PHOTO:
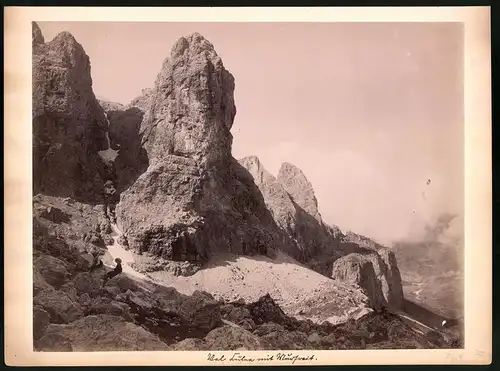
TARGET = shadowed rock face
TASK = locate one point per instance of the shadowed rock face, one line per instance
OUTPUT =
(299, 188)
(125, 137)
(277, 200)
(68, 122)
(374, 275)
(307, 236)
(307, 232)
(132, 160)
(143, 101)
(108, 106)
(36, 33)
(346, 257)
(99, 333)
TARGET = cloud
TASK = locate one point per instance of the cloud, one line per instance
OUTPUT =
(446, 229)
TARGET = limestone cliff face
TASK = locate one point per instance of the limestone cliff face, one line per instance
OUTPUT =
(299, 188)
(37, 36)
(277, 200)
(108, 106)
(347, 257)
(376, 273)
(68, 123)
(307, 236)
(388, 291)
(296, 213)
(142, 101)
(361, 241)
(124, 127)
(194, 198)
(192, 108)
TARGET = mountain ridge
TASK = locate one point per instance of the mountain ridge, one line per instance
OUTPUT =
(182, 201)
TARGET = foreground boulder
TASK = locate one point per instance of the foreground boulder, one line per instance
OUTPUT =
(171, 315)
(374, 274)
(266, 310)
(41, 320)
(98, 333)
(53, 270)
(283, 339)
(39, 283)
(113, 307)
(232, 338)
(82, 229)
(60, 307)
(190, 344)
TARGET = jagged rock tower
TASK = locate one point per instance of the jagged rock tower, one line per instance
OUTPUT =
(347, 257)
(194, 198)
(68, 123)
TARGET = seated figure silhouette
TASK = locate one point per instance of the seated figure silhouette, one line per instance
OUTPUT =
(114, 272)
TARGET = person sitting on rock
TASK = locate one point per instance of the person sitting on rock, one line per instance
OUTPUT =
(114, 272)
(96, 261)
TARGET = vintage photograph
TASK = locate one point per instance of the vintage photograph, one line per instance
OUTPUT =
(247, 186)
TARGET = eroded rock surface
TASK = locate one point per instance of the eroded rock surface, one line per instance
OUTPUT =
(36, 33)
(347, 257)
(68, 122)
(299, 188)
(131, 314)
(194, 198)
(99, 333)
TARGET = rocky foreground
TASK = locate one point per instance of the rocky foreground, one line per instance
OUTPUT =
(183, 204)
(72, 312)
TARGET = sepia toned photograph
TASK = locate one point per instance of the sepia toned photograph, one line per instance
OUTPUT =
(207, 187)
(248, 186)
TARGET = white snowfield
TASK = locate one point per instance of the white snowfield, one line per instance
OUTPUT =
(108, 154)
(117, 251)
(299, 291)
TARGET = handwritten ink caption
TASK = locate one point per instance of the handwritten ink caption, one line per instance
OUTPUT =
(240, 357)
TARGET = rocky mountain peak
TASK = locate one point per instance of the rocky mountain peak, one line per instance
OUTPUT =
(36, 34)
(193, 199)
(300, 189)
(192, 45)
(257, 170)
(65, 37)
(110, 106)
(191, 108)
(142, 101)
(72, 52)
(68, 122)
(362, 241)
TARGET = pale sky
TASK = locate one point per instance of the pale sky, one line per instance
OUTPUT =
(369, 111)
